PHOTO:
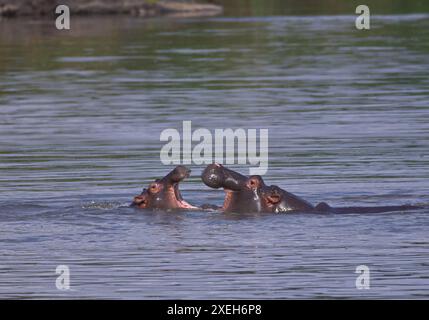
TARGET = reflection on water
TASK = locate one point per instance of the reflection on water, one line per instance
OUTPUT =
(80, 118)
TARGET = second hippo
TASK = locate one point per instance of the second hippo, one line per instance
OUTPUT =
(251, 194)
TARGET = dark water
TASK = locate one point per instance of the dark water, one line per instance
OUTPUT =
(80, 117)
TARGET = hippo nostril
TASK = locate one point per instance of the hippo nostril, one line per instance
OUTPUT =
(212, 180)
(212, 176)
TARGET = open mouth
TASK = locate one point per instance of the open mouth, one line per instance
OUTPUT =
(164, 193)
(180, 202)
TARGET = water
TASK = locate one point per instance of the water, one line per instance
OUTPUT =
(80, 117)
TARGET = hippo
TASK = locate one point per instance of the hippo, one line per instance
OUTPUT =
(164, 194)
(251, 194)
(241, 192)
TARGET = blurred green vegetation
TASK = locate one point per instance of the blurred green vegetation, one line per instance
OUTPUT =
(319, 7)
(38, 45)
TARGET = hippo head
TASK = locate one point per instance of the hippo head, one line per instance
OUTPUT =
(242, 193)
(275, 199)
(272, 198)
(164, 193)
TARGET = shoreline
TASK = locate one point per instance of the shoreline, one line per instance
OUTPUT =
(140, 8)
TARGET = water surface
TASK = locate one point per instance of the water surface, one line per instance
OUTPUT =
(80, 117)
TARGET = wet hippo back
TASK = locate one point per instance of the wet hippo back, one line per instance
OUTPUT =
(323, 207)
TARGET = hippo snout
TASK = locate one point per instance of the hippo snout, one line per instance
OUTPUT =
(217, 176)
(213, 176)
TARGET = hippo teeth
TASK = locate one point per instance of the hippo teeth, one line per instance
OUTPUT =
(185, 205)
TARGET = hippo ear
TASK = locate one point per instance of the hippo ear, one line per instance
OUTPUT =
(255, 182)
